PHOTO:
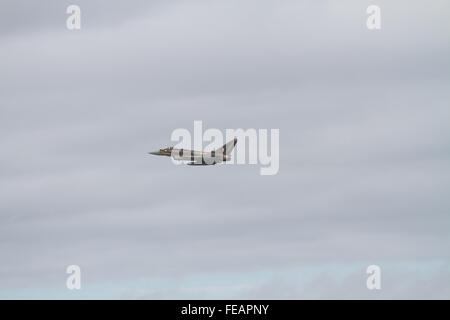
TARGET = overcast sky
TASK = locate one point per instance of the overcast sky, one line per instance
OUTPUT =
(364, 149)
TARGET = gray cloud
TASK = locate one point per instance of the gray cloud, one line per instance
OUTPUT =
(363, 128)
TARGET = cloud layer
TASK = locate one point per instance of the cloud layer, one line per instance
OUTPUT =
(363, 118)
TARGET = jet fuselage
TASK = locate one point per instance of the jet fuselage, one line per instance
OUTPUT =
(199, 157)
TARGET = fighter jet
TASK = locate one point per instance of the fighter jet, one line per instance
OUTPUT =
(199, 158)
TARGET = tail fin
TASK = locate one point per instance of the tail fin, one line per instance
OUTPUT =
(228, 147)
